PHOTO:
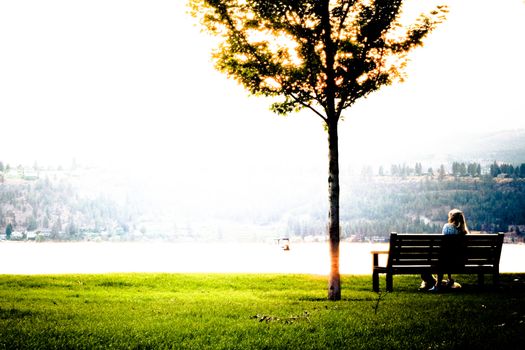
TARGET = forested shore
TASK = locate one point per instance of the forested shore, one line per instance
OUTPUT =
(401, 199)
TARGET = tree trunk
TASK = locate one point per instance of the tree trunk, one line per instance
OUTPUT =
(332, 118)
(334, 280)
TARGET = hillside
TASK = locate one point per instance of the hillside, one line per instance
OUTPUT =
(421, 204)
(89, 204)
(54, 209)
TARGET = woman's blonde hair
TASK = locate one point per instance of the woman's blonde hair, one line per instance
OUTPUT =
(457, 218)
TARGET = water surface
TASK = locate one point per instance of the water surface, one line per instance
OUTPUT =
(89, 257)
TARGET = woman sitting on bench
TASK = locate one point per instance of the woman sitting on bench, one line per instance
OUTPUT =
(456, 225)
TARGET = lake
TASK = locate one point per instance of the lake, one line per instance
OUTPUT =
(90, 257)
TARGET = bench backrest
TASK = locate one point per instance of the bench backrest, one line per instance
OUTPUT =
(447, 253)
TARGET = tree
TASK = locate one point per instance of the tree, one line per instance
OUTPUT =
(441, 172)
(474, 169)
(56, 229)
(31, 223)
(45, 222)
(494, 169)
(8, 231)
(320, 55)
(418, 169)
(71, 229)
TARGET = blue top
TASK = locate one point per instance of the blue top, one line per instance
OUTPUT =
(449, 229)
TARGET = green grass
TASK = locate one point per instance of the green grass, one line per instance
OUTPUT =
(246, 311)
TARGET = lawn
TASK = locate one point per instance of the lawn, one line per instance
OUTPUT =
(254, 311)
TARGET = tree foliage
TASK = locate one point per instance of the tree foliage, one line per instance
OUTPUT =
(313, 53)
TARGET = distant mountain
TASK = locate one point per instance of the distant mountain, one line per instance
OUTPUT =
(500, 146)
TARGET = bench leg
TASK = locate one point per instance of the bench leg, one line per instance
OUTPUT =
(375, 281)
(481, 279)
(495, 278)
(389, 282)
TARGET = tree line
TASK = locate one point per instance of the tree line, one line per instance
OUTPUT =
(462, 169)
(378, 207)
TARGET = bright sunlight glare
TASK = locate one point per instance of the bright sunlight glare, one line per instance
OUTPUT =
(127, 82)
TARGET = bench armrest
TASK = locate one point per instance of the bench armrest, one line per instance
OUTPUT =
(375, 254)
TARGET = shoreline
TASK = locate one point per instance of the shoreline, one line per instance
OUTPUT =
(121, 257)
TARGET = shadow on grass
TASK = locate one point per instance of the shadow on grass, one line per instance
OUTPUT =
(317, 299)
(469, 285)
(14, 313)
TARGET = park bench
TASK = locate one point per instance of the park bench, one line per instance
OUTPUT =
(437, 253)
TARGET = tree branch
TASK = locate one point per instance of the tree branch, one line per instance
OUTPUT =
(342, 21)
(330, 51)
(309, 106)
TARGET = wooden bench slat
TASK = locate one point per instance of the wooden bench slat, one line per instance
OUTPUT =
(401, 250)
(437, 253)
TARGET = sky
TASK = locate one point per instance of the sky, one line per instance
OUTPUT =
(130, 84)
